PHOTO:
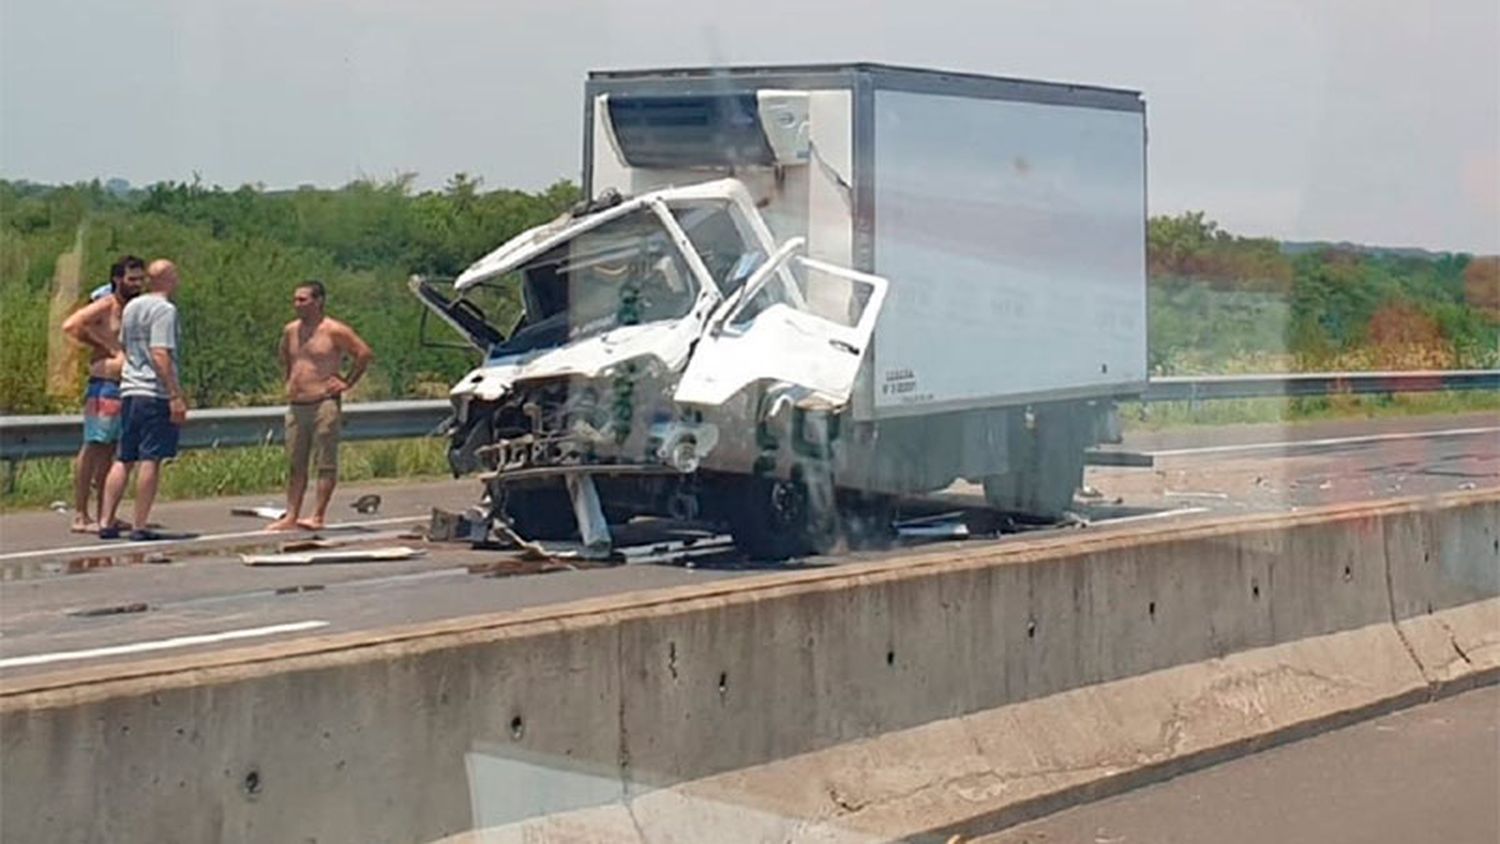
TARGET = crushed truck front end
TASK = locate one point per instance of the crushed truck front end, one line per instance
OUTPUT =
(667, 348)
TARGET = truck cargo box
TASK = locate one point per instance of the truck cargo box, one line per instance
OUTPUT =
(1009, 215)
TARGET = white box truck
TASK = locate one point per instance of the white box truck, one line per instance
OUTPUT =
(798, 294)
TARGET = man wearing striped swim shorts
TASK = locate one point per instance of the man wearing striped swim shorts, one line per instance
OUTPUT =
(97, 327)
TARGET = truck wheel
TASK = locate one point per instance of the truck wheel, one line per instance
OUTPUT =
(774, 519)
(867, 521)
(542, 513)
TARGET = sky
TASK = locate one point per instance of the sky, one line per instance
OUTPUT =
(1364, 120)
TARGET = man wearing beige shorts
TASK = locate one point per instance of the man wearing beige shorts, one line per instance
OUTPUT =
(313, 349)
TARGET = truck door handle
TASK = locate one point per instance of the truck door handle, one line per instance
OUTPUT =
(843, 347)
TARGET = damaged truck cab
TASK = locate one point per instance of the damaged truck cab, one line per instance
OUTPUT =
(668, 348)
(709, 337)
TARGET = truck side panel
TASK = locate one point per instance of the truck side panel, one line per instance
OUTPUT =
(1013, 234)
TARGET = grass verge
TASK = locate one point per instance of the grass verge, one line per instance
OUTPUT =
(237, 471)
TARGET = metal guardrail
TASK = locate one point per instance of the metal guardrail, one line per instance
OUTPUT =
(1307, 384)
(26, 437)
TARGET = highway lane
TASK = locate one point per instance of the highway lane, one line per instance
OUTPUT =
(1429, 773)
(64, 597)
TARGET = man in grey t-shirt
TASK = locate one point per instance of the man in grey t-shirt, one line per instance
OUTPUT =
(154, 406)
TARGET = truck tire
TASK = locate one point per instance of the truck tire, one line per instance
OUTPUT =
(867, 521)
(541, 513)
(775, 519)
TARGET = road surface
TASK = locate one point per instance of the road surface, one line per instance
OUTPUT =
(69, 600)
(1426, 774)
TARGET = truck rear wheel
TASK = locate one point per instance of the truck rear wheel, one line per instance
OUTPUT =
(1046, 466)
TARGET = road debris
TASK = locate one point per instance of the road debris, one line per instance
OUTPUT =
(351, 555)
(269, 513)
(118, 609)
(366, 504)
(469, 526)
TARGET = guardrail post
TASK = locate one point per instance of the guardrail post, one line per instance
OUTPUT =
(12, 467)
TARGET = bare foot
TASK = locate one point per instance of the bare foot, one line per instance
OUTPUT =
(285, 523)
(83, 524)
(313, 523)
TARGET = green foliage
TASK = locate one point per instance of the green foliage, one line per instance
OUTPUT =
(1218, 302)
(240, 253)
(1222, 303)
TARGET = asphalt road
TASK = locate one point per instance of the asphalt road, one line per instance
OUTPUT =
(1426, 774)
(69, 600)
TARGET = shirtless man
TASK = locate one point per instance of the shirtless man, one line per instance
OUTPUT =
(97, 326)
(313, 349)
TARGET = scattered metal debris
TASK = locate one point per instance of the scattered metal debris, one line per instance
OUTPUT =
(268, 512)
(468, 526)
(118, 609)
(352, 555)
(366, 504)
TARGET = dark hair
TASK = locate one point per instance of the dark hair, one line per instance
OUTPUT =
(118, 269)
(315, 287)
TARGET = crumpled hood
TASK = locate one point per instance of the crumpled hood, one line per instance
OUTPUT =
(668, 342)
(535, 241)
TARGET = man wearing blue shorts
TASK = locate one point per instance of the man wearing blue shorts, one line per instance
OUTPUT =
(153, 407)
(97, 327)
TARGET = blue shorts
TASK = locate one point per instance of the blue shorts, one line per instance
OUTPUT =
(101, 412)
(148, 433)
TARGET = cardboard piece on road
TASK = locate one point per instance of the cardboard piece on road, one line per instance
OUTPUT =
(352, 555)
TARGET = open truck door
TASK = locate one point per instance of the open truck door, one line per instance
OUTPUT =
(796, 320)
(460, 314)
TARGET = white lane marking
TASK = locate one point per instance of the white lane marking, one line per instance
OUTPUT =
(1181, 511)
(125, 546)
(160, 644)
(1292, 444)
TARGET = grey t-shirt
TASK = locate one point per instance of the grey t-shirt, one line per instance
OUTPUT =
(148, 321)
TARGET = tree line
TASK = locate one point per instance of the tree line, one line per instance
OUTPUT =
(1218, 301)
(240, 253)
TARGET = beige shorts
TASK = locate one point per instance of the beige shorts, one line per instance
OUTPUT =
(312, 435)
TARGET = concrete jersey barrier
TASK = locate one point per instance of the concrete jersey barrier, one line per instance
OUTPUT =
(1210, 634)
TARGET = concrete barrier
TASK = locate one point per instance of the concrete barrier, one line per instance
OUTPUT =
(1040, 671)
